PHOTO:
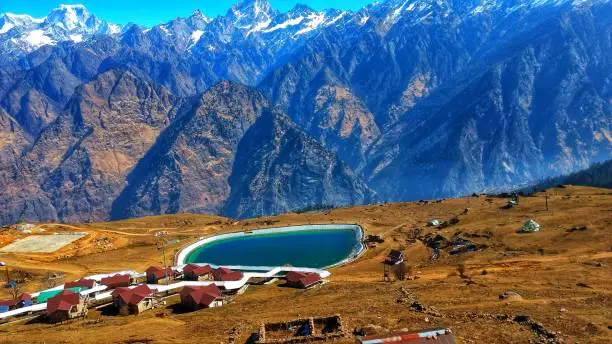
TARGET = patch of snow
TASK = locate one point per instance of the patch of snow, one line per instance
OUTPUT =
(334, 20)
(37, 38)
(316, 19)
(21, 19)
(507, 167)
(114, 29)
(76, 38)
(260, 26)
(165, 30)
(284, 25)
(398, 10)
(195, 36)
(72, 14)
(363, 20)
(6, 27)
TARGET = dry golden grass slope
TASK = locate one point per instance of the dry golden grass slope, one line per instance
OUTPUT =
(544, 267)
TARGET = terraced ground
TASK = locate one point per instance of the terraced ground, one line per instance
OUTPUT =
(563, 276)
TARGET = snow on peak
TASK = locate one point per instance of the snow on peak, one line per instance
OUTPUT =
(252, 15)
(314, 21)
(285, 24)
(38, 38)
(197, 14)
(70, 17)
(11, 20)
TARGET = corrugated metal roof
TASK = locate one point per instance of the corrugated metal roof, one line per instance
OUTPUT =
(63, 301)
(116, 281)
(84, 283)
(433, 336)
(47, 294)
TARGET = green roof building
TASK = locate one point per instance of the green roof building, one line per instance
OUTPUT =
(47, 294)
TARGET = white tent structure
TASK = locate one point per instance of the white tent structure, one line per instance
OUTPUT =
(530, 227)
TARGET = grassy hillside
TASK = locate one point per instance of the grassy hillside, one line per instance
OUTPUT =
(562, 274)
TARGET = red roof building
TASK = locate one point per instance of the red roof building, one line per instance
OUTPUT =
(225, 274)
(22, 301)
(156, 273)
(201, 297)
(433, 336)
(83, 283)
(133, 300)
(303, 280)
(197, 272)
(66, 305)
(116, 281)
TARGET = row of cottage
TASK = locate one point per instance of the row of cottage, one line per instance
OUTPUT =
(130, 297)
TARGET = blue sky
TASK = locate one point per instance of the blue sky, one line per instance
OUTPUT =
(150, 12)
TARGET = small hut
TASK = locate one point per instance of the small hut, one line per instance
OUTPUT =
(23, 300)
(83, 283)
(116, 281)
(195, 272)
(134, 300)
(303, 280)
(201, 297)
(158, 275)
(225, 274)
(530, 227)
(66, 305)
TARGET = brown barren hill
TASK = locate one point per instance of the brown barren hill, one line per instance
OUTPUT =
(561, 274)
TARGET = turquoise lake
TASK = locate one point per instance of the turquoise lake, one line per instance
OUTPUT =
(318, 248)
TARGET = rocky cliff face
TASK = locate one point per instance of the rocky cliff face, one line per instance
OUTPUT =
(188, 167)
(127, 147)
(462, 102)
(279, 168)
(536, 111)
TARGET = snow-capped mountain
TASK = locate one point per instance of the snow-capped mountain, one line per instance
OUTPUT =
(417, 98)
(9, 21)
(21, 34)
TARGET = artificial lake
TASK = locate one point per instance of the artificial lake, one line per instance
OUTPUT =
(311, 246)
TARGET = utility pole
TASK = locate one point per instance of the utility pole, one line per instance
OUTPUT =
(546, 200)
(8, 278)
(161, 244)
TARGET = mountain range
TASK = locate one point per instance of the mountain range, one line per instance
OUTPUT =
(258, 112)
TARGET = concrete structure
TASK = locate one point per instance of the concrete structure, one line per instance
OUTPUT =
(134, 300)
(201, 297)
(193, 272)
(433, 336)
(309, 330)
(66, 305)
(303, 280)
(41, 243)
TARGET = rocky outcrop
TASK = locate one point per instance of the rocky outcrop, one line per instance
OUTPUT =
(188, 167)
(541, 111)
(279, 168)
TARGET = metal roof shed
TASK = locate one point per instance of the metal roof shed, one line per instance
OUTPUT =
(47, 294)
